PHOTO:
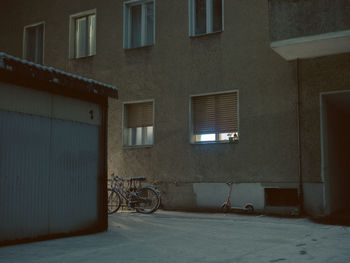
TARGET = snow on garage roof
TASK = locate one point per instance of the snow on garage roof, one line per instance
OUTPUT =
(13, 69)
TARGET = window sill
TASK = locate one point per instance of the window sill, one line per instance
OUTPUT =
(213, 142)
(82, 58)
(137, 146)
(206, 34)
(140, 47)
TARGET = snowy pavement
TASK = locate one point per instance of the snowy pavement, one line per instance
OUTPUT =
(194, 237)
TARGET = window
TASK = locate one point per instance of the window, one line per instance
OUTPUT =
(83, 34)
(138, 124)
(206, 16)
(33, 43)
(139, 26)
(281, 197)
(214, 117)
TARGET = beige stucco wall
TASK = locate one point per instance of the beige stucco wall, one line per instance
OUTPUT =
(292, 19)
(169, 72)
(178, 66)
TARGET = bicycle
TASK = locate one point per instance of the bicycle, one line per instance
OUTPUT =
(144, 199)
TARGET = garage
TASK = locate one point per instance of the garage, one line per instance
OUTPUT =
(53, 141)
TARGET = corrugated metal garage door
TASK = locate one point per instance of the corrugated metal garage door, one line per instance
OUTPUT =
(24, 175)
(49, 172)
(74, 176)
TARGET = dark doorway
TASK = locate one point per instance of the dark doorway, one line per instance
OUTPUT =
(336, 151)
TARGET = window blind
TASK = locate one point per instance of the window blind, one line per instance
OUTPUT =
(215, 113)
(139, 114)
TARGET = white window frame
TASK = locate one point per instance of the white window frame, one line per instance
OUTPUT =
(127, 23)
(72, 36)
(190, 125)
(24, 47)
(124, 119)
(209, 18)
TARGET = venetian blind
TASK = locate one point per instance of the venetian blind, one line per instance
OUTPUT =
(215, 113)
(139, 114)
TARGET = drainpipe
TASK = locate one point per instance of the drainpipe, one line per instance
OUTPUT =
(301, 190)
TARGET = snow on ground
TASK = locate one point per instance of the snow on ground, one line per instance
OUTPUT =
(194, 237)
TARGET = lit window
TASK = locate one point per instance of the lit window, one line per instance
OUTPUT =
(207, 137)
(139, 23)
(214, 117)
(34, 43)
(206, 16)
(83, 34)
(138, 124)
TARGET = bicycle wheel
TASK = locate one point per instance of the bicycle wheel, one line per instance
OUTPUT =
(113, 201)
(148, 200)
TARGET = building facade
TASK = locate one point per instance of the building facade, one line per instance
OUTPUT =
(317, 34)
(206, 94)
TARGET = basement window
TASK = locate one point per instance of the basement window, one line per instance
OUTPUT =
(138, 124)
(214, 117)
(281, 197)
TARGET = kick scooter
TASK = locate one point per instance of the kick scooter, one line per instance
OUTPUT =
(226, 207)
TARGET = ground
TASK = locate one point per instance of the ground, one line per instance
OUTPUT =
(194, 237)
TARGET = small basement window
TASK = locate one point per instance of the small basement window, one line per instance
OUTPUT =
(281, 197)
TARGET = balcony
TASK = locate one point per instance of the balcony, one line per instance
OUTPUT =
(309, 28)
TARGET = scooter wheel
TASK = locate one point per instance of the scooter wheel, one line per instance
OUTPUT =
(249, 208)
(225, 208)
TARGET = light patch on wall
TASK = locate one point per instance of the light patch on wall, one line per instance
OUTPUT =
(213, 195)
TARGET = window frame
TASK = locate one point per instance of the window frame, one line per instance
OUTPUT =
(124, 103)
(72, 32)
(24, 46)
(191, 17)
(190, 119)
(127, 23)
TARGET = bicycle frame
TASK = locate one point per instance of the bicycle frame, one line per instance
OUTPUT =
(130, 190)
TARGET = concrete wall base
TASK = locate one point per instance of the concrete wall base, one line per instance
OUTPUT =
(314, 199)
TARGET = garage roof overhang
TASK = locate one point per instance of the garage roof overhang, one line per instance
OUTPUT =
(313, 46)
(25, 73)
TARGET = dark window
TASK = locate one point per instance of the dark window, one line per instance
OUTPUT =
(136, 26)
(206, 16)
(201, 17)
(85, 36)
(34, 37)
(217, 15)
(139, 24)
